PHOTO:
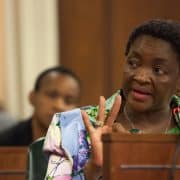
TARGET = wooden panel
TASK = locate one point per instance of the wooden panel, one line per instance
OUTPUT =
(13, 163)
(136, 156)
(84, 44)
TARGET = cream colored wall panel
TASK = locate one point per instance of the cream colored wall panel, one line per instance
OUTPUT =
(31, 47)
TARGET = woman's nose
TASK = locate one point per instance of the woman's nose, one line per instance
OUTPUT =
(142, 75)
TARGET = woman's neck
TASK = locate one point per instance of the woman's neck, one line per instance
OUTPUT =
(158, 121)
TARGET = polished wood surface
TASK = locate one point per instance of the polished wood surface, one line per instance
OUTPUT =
(138, 157)
(84, 44)
(13, 163)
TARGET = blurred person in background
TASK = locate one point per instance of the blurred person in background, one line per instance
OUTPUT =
(56, 89)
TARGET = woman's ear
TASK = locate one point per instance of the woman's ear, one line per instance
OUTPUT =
(32, 98)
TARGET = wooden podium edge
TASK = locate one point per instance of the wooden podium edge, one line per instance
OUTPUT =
(117, 137)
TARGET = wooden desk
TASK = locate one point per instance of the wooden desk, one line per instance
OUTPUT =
(137, 157)
(13, 163)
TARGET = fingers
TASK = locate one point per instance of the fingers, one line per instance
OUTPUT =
(101, 112)
(114, 111)
(86, 120)
(100, 118)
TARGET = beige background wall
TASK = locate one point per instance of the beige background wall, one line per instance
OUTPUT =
(2, 70)
(31, 45)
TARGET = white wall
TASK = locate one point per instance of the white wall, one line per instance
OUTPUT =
(31, 46)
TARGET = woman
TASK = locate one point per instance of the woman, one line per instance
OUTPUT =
(145, 104)
(151, 77)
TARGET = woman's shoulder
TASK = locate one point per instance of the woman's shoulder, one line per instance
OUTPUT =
(175, 108)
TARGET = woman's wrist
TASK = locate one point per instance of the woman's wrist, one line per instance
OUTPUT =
(92, 171)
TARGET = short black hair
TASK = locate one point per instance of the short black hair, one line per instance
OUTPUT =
(56, 69)
(167, 30)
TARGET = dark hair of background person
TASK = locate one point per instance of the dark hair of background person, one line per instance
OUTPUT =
(167, 30)
(57, 69)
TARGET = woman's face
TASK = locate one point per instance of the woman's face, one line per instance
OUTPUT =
(151, 74)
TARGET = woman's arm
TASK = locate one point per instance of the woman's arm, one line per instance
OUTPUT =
(92, 171)
(93, 168)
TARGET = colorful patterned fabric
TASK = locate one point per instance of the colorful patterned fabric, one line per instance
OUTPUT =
(67, 142)
(175, 106)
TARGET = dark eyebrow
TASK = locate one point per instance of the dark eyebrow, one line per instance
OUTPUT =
(160, 61)
(134, 54)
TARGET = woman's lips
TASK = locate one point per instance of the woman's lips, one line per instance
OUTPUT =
(140, 95)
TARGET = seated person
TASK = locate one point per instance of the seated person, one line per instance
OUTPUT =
(56, 89)
(145, 104)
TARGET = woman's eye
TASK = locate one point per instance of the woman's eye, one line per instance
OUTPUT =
(158, 70)
(133, 63)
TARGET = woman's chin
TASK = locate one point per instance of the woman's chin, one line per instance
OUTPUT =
(139, 106)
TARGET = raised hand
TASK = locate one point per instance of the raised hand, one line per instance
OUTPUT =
(105, 126)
